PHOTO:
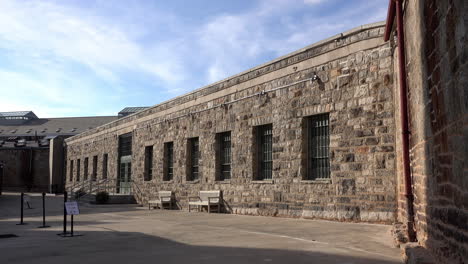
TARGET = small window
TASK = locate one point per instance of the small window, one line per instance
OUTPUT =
(94, 175)
(71, 170)
(223, 156)
(148, 163)
(85, 173)
(78, 169)
(263, 156)
(193, 159)
(104, 166)
(168, 167)
(317, 146)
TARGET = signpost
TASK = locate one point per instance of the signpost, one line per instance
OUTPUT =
(71, 209)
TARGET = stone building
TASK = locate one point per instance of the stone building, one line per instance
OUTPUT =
(368, 125)
(310, 134)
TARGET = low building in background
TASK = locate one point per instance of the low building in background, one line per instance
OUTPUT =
(31, 149)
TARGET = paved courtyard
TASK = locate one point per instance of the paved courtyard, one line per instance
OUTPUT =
(130, 234)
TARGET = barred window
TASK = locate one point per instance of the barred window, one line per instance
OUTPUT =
(148, 163)
(85, 173)
(264, 152)
(168, 168)
(71, 170)
(78, 169)
(104, 166)
(193, 159)
(223, 156)
(94, 174)
(317, 147)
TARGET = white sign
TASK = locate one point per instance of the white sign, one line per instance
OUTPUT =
(72, 208)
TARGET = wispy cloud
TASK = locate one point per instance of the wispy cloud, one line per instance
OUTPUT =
(313, 2)
(82, 58)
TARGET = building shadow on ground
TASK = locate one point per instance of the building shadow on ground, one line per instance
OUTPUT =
(132, 247)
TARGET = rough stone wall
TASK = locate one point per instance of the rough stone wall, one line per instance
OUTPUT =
(355, 88)
(437, 50)
(16, 173)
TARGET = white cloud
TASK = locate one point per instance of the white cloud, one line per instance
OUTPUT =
(48, 30)
(313, 2)
(138, 51)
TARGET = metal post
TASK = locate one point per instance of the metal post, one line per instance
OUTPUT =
(43, 212)
(1, 177)
(71, 225)
(65, 196)
(22, 208)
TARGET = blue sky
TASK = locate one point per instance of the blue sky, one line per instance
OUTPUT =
(83, 57)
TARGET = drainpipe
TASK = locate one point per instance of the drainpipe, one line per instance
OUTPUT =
(395, 6)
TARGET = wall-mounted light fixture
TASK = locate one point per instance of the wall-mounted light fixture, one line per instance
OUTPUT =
(315, 77)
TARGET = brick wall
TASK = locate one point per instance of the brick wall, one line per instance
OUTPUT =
(437, 51)
(355, 88)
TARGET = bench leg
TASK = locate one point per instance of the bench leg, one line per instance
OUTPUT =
(219, 208)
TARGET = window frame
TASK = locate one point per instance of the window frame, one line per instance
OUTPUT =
(316, 161)
(85, 169)
(223, 151)
(71, 170)
(193, 159)
(168, 161)
(149, 155)
(94, 171)
(105, 162)
(78, 169)
(263, 152)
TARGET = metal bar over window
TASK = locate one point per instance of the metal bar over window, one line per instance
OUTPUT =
(225, 140)
(148, 163)
(104, 166)
(195, 155)
(85, 174)
(265, 134)
(71, 170)
(169, 161)
(94, 173)
(318, 161)
(78, 165)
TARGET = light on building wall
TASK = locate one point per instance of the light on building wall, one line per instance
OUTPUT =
(315, 77)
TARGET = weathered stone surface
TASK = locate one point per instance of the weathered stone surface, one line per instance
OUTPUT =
(359, 125)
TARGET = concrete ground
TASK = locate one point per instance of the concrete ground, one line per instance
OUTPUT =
(130, 234)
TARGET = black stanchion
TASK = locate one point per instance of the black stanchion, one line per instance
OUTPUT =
(22, 209)
(71, 225)
(65, 197)
(43, 212)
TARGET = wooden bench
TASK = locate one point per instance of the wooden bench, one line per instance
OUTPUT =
(164, 197)
(207, 198)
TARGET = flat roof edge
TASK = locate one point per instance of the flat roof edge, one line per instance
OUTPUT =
(291, 54)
